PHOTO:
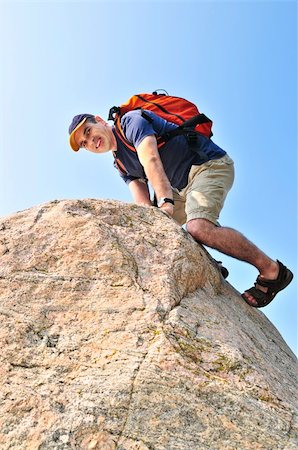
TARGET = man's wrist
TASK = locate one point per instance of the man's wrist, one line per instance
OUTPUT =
(164, 200)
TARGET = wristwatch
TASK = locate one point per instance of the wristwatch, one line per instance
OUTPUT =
(163, 200)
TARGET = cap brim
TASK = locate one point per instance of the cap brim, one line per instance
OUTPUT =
(75, 147)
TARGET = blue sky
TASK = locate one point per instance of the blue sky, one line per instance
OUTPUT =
(236, 60)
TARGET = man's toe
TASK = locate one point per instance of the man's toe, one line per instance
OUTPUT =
(249, 299)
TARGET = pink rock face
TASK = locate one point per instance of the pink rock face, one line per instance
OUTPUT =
(118, 332)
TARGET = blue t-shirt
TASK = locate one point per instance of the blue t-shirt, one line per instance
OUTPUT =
(177, 155)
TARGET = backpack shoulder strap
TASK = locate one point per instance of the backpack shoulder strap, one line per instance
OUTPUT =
(121, 135)
(118, 164)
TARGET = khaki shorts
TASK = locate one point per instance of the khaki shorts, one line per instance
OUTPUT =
(206, 191)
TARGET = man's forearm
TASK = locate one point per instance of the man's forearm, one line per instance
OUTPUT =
(140, 192)
(150, 160)
(158, 179)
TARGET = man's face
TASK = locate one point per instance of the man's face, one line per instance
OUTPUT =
(96, 137)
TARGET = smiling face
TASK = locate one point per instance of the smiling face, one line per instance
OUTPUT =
(95, 137)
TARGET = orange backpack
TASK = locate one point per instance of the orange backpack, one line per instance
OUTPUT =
(173, 109)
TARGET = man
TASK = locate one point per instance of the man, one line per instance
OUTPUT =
(190, 181)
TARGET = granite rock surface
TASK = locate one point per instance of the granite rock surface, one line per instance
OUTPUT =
(118, 332)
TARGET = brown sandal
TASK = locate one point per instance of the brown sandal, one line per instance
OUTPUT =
(284, 278)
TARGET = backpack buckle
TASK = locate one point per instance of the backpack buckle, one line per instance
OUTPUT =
(113, 111)
(191, 137)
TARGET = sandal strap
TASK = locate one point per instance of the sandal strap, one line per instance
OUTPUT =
(271, 284)
(267, 283)
(262, 298)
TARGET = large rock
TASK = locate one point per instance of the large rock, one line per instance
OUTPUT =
(118, 332)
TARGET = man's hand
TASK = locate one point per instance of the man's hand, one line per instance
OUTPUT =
(168, 209)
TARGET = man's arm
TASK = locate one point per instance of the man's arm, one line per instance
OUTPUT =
(149, 158)
(140, 192)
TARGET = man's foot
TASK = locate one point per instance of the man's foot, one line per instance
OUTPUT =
(223, 270)
(268, 285)
(270, 274)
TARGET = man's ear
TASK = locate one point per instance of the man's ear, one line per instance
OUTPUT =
(100, 120)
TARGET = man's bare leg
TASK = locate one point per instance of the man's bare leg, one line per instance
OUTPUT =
(232, 243)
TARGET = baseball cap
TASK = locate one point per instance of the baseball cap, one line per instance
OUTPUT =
(77, 121)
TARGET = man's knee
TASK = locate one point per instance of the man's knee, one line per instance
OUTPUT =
(200, 229)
